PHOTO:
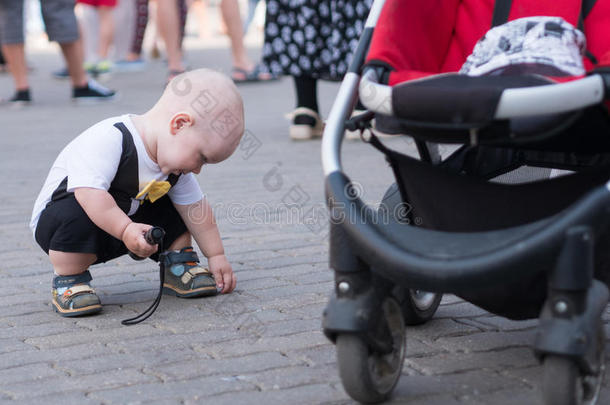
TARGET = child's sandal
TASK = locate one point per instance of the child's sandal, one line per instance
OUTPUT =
(73, 296)
(184, 277)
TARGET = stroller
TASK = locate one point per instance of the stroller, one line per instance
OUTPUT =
(533, 249)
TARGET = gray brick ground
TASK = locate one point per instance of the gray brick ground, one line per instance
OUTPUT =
(261, 344)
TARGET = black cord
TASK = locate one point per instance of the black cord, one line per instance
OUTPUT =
(153, 236)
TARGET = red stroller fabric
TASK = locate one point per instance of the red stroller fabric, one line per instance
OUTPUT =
(418, 38)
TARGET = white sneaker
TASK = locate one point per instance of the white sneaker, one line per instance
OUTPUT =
(305, 124)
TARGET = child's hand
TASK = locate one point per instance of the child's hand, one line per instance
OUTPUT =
(133, 238)
(223, 273)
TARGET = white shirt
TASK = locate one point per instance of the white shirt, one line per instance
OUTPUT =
(92, 159)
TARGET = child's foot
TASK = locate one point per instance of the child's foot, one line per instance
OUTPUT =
(185, 278)
(306, 124)
(73, 296)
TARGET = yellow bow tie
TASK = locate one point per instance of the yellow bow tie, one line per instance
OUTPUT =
(154, 190)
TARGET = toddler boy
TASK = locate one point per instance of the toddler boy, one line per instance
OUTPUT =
(126, 174)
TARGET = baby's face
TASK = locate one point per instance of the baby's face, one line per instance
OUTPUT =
(189, 149)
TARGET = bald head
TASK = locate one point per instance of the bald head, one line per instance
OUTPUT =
(214, 103)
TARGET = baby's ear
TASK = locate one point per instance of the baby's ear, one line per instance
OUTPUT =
(179, 121)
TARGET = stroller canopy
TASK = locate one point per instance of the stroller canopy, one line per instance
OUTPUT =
(418, 38)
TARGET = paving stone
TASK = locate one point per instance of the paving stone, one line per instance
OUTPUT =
(84, 336)
(236, 367)
(314, 356)
(34, 356)
(145, 358)
(291, 327)
(38, 332)
(448, 363)
(12, 345)
(286, 377)
(428, 400)
(504, 397)
(281, 344)
(263, 283)
(195, 389)
(321, 277)
(459, 310)
(499, 323)
(306, 394)
(31, 372)
(436, 328)
(55, 386)
(474, 382)
(292, 290)
(486, 341)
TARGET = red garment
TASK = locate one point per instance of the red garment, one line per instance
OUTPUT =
(99, 3)
(422, 37)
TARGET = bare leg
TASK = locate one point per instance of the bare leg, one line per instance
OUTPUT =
(200, 8)
(73, 53)
(106, 31)
(182, 241)
(231, 17)
(15, 59)
(69, 264)
(168, 25)
(140, 29)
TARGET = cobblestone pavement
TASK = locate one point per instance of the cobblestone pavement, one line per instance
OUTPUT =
(261, 344)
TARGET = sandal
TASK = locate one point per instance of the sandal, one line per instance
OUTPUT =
(73, 296)
(184, 277)
(306, 124)
(240, 75)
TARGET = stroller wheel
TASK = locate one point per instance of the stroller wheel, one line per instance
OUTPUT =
(565, 384)
(420, 306)
(369, 376)
(417, 306)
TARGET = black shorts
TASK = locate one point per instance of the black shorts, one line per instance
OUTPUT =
(64, 226)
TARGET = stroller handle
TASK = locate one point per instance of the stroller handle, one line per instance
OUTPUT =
(513, 102)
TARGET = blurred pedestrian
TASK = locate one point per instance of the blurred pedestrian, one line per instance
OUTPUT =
(171, 31)
(133, 61)
(311, 40)
(61, 26)
(105, 35)
(2, 61)
(244, 69)
(166, 28)
(250, 15)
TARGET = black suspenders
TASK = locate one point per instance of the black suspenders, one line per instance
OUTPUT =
(501, 12)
